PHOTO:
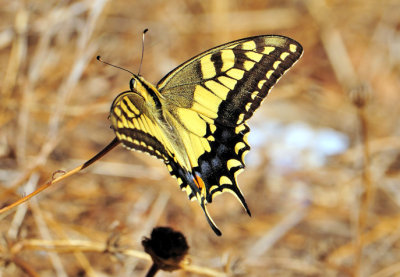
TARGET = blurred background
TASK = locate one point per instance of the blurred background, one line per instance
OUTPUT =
(322, 179)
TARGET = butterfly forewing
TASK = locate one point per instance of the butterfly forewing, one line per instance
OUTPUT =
(238, 75)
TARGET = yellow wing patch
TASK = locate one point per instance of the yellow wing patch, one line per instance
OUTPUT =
(228, 59)
(219, 90)
(228, 82)
(207, 67)
(206, 98)
(254, 56)
(235, 73)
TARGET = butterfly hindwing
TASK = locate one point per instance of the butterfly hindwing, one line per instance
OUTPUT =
(131, 123)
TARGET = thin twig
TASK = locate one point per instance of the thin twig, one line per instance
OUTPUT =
(152, 271)
(26, 267)
(367, 193)
(108, 148)
(68, 246)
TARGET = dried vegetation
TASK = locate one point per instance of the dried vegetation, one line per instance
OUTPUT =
(338, 219)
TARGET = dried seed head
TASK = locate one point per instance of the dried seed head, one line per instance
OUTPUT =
(360, 95)
(166, 247)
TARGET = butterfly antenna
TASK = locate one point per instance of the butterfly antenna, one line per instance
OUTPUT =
(100, 60)
(141, 59)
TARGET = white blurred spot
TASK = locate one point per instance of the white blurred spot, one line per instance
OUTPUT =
(294, 146)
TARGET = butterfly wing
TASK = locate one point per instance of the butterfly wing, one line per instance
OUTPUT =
(196, 123)
(140, 127)
(212, 95)
(135, 127)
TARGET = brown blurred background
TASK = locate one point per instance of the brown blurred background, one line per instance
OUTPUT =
(322, 181)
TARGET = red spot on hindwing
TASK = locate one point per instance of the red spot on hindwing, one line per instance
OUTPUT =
(199, 182)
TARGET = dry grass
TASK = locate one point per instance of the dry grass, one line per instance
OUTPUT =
(339, 219)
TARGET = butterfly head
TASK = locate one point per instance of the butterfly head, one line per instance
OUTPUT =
(146, 90)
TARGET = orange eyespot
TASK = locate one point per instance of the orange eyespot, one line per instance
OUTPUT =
(199, 182)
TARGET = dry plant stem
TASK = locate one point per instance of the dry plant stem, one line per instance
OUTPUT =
(62, 232)
(152, 271)
(68, 246)
(24, 266)
(384, 229)
(263, 244)
(392, 270)
(367, 193)
(35, 72)
(158, 206)
(17, 55)
(44, 231)
(48, 147)
(21, 45)
(203, 270)
(19, 215)
(85, 51)
(99, 155)
(347, 76)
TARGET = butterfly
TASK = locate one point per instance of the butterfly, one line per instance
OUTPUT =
(194, 119)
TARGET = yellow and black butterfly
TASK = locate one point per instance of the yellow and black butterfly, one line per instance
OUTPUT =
(194, 119)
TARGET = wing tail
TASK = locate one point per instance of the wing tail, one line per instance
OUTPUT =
(210, 220)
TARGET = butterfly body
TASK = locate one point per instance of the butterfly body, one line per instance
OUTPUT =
(194, 119)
